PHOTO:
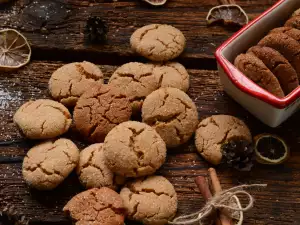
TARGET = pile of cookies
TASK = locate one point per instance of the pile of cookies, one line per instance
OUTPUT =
(274, 64)
(123, 154)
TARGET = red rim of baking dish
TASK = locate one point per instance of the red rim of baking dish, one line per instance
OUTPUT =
(232, 72)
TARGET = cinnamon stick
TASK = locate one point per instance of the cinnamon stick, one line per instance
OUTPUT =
(216, 186)
(203, 186)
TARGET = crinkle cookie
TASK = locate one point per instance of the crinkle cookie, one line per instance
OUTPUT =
(293, 22)
(134, 149)
(96, 207)
(151, 200)
(172, 74)
(287, 46)
(99, 110)
(136, 81)
(279, 66)
(213, 131)
(158, 42)
(258, 72)
(70, 81)
(92, 170)
(292, 32)
(42, 119)
(46, 165)
(172, 114)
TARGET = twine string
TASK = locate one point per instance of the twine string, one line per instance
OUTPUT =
(219, 201)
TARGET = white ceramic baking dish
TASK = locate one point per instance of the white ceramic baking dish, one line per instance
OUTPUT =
(268, 108)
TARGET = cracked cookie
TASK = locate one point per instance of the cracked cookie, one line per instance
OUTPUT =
(134, 149)
(292, 32)
(46, 165)
(258, 72)
(279, 66)
(172, 74)
(99, 110)
(136, 81)
(287, 46)
(293, 22)
(151, 200)
(92, 170)
(158, 42)
(213, 131)
(172, 114)
(96, 207)
(42, 119)
(70, 81)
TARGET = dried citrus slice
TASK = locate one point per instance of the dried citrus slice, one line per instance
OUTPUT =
(270, 149)
(156, 2)
(15, 51)
(228, 15)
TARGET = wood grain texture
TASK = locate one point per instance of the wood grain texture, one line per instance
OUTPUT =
(279, 203)
(59, 35)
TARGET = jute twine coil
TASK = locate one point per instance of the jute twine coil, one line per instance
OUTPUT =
(221, 200)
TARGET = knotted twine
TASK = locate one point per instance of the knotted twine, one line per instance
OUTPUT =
(220, 201)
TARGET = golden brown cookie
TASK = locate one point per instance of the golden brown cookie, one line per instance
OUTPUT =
(287, 46)
(99, 110)
(46, 165)
(134, 149)
(92, 170)
(296, 13)
(69, 82)
(213, 131)
(279, 66)
(172, 114)
(135, 81)
(158, 42)
(151, 200)
(172, 74)
(96, 207)
(293, 22)
(42, 119)
(258, 72)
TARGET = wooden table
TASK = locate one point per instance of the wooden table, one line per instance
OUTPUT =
(60, 39)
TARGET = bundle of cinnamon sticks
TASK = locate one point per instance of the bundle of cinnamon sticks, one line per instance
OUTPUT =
(207, 190)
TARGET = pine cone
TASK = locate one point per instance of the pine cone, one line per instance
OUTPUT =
(238, 154)
(96, 30)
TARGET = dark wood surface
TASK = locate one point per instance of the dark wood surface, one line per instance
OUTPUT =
(64, 42)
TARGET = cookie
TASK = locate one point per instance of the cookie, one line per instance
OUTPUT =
(99, 110)
(135, 81)
(92, 171)
(42, 119)
(96, 206)
(70, 81)
(46, 165)
(158, 42)
(292, 32)
(279, 66)
(172, 114)
(151, 200)
(172, 74)
(286, 45)
(296, 13)
(293, 22)
(257, 71)
(134, 149)
(213, 131)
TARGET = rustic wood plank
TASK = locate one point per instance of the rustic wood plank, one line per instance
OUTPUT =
(279, 202)
(65, 39)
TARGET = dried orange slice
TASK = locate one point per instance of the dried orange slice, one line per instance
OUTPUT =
(228, 15)
(270, 149)
(156, 2)
(15, 51)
